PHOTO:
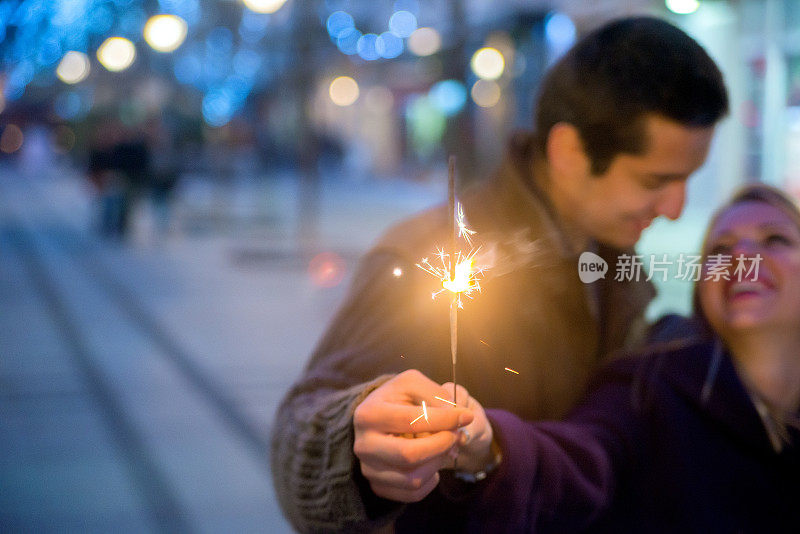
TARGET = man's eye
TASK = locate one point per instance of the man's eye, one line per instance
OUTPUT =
(652, 183)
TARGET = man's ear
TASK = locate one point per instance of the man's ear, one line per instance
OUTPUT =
(565, 153)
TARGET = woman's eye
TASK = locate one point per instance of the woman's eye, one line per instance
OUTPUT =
(777, 239)
(720, 248)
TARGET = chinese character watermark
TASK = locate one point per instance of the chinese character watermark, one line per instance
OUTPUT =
(689, 268)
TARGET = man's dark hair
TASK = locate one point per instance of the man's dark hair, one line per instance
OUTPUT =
(614, 76)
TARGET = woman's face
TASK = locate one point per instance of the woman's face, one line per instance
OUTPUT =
(767, 299)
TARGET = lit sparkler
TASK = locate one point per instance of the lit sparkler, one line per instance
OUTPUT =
(457, 270)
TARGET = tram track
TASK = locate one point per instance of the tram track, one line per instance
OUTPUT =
(158, 496)
(155, 491)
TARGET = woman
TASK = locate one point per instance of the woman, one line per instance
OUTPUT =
(698, 435)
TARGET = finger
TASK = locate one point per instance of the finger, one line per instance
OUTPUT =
(462, 395)
(401, 418)
(408, 496)
(385, 475)
(402, 453)
(412, 386)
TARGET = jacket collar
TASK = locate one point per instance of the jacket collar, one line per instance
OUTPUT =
(714, 386)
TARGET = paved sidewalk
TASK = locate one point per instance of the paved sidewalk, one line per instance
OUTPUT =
(138, 382)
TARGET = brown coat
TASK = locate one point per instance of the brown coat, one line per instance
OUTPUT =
(533, 316)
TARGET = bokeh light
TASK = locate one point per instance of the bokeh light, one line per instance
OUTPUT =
(49, 51)
(264, 6)
(424, 41)
(560, 32)
(389, 45)
(217, 108)
(343, 91)
(366, 47)
(116, 54)
(188, 69)
(682, 7)
(246, 63)
(402, 24)
(339, 23)
(448, 96)
(326, 269)
(73, 68)
(253, 26)
(188, 10)
(487, 63)
(348, 41)
(486, 93)
(427, 125)
(219, 41)
(67, 105)
(165, 33)
(11, 139)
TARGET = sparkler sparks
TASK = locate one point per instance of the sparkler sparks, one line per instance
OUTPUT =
(466, 279)
(445, 400)
(423, 414)
(463, 231)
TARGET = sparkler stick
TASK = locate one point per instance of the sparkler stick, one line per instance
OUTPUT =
(456, 271)
(451, 190)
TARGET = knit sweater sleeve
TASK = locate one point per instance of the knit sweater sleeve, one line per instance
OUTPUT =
(314, 470)
(316, 475)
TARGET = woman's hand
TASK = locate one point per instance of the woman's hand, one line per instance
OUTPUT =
(475, 445)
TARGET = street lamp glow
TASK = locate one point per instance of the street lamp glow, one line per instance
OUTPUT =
(488, 63)
(264, 6)
(424, 41)
(343, 91)
(116, 53)
(682, 7)
(165, 33)
(73, 68)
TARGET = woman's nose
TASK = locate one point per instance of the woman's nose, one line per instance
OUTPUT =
(745, 247)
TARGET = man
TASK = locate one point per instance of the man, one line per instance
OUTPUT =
(622, 121)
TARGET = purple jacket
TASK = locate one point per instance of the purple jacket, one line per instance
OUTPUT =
(645, 452)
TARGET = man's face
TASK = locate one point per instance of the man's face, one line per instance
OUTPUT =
(616, 206)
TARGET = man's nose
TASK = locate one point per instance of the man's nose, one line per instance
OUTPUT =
(672, 199)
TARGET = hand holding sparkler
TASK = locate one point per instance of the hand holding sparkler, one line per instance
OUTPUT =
(399, 468)
(475, 452)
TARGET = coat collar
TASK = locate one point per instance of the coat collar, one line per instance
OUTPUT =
(713, 385)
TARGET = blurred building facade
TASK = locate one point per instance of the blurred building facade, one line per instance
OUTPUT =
(368, 90)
